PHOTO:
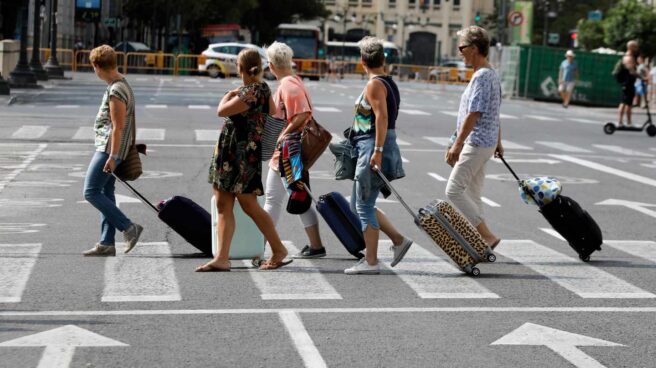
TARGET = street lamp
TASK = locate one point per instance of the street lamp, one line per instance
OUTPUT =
(22, 76)
(35, 63)
(52, 66)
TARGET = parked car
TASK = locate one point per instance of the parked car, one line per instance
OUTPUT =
(454, 71)
(137, 47)
(220, 59)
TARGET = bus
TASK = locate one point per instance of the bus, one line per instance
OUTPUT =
(351, 51)
(305, 41)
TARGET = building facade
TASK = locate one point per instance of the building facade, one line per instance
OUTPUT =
(424, 30)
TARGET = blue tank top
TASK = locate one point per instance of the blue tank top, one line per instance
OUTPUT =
(364, 122)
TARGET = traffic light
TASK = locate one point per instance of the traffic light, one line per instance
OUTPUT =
(477, 18)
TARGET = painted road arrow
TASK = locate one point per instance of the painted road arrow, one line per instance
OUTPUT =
(637, 206)
(562, 342)
(120, 198)
(60, 344)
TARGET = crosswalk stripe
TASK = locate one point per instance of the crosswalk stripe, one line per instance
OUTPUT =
(336, 138)
(404, 160)
(645, 249)
(30, 132)
(622, 150)
(433, 277)
(200, 107)
(147, 134)
(413, 112)
(146, 275)
(209, 135)
(508, 117)
(563, 147)
(84, 133)
(490, 202)
(301, 280)
(156, 106)
(401, 142)
(436, 176)
(67, 106)
(450, 113)
(580, 278)
(584, 121)
(607, 169)
(442, 141)
(541, 118)
(302, 340)
(553, 233)
(16, 263)
(326, 109)
(512, 145)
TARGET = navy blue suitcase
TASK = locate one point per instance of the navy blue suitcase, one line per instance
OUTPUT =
(184, 216)
(337, 213)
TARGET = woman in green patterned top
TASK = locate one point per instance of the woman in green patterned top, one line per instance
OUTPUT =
(236, 167)
(113, 135)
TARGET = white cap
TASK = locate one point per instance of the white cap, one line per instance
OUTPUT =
(570, 53)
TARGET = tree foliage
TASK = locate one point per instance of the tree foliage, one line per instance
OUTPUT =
(631, 20)
(590, 34)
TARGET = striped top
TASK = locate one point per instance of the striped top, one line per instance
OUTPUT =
(103, 124)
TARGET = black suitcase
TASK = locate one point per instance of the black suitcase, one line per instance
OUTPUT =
(184, 216)
(345, 224)
(571, 221)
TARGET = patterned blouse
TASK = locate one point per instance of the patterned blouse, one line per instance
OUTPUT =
(103, 124)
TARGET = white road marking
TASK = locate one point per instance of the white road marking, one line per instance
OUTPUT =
(207, 135)
(553, 233)
(490, 202)
(302, 340)
(401, 142)
(436, 176)
(404, 160)
(84, 133)
(200, 107)
(30, 132)
(512, 145)
(433, 277)
(414, 112)
(156, 106)
(151, 134)
(584, 121)
(636, 206)
(541, 118)
(336, 138)
(378, 200)
(508, 117)
(609, 170)
(244, 311)
(67, 106)
(301, 280)
(16, 263)
(450, 113)
(622, 150)
(19, 228)
(645, 249)
(580, 278)
(326, 109)
(442, 141)
(18, 169)
(563, 147)
(147, 274)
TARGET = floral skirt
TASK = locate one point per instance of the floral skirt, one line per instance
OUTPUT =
(236, 166)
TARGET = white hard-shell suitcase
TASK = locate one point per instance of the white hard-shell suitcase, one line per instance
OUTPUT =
(247, 242)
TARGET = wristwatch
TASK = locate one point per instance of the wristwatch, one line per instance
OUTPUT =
(378, 149)
(114, 157)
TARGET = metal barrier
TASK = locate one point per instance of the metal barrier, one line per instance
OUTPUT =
(136, 62)
(311, 68)
(82, 63)
(187, 63)
(65, 57)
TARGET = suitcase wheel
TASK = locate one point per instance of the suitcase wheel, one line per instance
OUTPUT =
(475, 271)
(585, 258)
(491, 257)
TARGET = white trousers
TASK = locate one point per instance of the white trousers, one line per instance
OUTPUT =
(466, 182)
(276, 196)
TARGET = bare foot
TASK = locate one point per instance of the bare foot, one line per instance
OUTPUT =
(214, 266)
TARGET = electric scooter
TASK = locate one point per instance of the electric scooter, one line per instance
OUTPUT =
(610, 128)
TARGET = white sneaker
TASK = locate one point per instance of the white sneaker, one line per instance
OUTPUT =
(363, 268)
(400, 251)
(131, 236)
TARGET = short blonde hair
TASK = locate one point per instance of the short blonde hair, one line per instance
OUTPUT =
(103, 57)
(476, 36)
(280, 55)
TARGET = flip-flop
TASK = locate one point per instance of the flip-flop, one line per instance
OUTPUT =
(210, 268)
(268, 265)
(494, 245)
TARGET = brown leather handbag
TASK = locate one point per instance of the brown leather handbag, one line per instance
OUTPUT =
(130, 169)
(314, 140)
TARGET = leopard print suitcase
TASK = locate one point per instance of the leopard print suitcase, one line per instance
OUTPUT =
(451, 231)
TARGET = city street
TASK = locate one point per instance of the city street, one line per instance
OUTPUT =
(538, 305)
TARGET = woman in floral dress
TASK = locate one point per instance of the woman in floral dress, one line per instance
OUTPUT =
(236, 168)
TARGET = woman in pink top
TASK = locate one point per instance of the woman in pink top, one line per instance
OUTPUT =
(293, 105)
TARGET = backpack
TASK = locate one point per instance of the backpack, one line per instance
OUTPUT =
(620, 72)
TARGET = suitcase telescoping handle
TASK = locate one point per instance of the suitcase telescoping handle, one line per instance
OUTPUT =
(141, 197)
(521, 183)
(396, 194)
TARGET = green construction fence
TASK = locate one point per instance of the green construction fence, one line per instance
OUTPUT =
(538, 76)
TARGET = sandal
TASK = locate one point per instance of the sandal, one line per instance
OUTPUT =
(273, 265)
(208, 267)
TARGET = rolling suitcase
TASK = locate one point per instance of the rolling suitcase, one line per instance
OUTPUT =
(450, 231)
(184, 216)
(571, 221)
(345, 224)
(247, 241)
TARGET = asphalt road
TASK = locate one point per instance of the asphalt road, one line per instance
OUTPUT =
(537, 306)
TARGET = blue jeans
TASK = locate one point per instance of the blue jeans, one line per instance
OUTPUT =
(99, 191)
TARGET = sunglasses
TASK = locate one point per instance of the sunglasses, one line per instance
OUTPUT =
(461, 48)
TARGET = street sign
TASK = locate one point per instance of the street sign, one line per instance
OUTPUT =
(111, 22)
(515, 18)
(595, 15)
(553, 39)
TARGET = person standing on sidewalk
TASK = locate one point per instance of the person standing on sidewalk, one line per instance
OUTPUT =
(293, 105)
(374, 140)
(627, 76)
(478, 132)
(113, 133)
(567, 77)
